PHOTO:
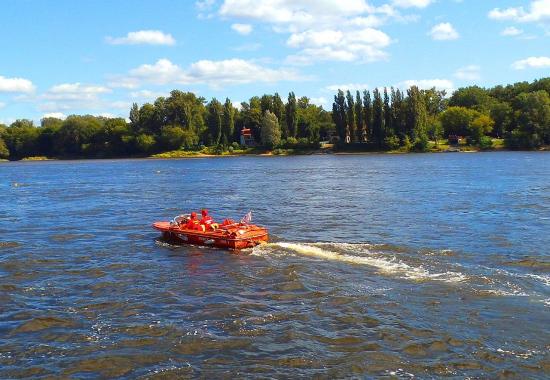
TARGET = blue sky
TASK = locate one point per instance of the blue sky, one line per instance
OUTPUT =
(97, 57)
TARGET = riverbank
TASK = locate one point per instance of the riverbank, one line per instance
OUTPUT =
(498, 145)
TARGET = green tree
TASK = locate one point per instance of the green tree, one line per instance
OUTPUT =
(4, 151)
(214, 121)
(339, 115)
(271, 133)
(279, 111)
(359, 117)
(367, 109)
(457, 120)
(171, 137)
(532, 120)
(228, 122)
(378, 118)
(417, 118)
(134, 117)
(473, 97)
(291, 115)
(479, 127)
(350, 116)
(388, 120)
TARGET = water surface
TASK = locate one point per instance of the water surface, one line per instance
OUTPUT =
(381, 265)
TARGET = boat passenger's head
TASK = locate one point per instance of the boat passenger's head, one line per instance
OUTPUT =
(193, 214)
(204, 212)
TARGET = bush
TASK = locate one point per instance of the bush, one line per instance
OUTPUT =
(236, 145)
(407, 143)
(392, 142)
(421, 144)
(230, 149)
(486, 142)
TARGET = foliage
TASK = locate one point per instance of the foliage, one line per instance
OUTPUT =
(271, 132)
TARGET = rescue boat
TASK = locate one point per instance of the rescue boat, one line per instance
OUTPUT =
(232, 235)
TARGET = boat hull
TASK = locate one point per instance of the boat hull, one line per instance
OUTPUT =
(238, 237)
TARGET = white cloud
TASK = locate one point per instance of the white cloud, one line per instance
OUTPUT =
(348, 86)
(243, 29)
(470, 72)
(205, 5)
(412, 3)
(20, 85)
(146, 94)
(532, 62)
(328, 30)
(320, 101)
(75, 91)
(2, 105)
(57, 115)
(426, 84)
(211, 73)
(538, 11)
(444, 32)
(511, 31)
(148, 37)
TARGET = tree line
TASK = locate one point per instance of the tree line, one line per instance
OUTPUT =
(382, 119)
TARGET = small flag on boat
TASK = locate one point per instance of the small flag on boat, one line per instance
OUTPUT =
(247, 218)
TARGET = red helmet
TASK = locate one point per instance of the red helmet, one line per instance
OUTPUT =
(204, 212)
(193, 214)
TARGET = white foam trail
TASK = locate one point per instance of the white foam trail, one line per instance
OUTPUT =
(391, 266)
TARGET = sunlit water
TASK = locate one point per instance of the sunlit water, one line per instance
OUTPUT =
(381, 265)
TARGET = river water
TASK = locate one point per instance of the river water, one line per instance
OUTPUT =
(419, 265)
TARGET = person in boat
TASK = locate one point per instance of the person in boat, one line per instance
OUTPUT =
(207, 221)
(192, 222)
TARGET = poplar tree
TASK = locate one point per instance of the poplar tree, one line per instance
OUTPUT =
(350, 115)
(339, 115)
(367, 109)
(417, 116)
(291, 115)
(228, 123)
(388, 125)
(377, 118)
(359, 116)
(214, 121)
(279, 111)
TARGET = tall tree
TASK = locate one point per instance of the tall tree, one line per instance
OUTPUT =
(360, 117)
(417, 118)
(214, 121)
(388, 125)
(279, 111)
(377, 118)
(271, 133)
(339, 115)
(228, 122)
(134, 117)
(291, 115)
(350, 116)
(367, 109)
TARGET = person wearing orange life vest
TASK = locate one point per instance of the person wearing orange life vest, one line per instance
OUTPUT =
(207, 221)
(192, 222)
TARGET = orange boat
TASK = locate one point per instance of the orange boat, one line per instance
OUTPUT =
(232, 235)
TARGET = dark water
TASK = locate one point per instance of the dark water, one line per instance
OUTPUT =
(385, 265)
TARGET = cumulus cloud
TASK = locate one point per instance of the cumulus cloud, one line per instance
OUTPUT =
(425, 84)
(243, 29)
(538, 11)
(336, 45)
(470, 72)
(328, 30)
(347, 86)
(444, 32)
(532, 62)
(75, 91)
(143, 37)
(211, 73)
(511, 31)
(412, 3)
(19, 85)
(56, 115)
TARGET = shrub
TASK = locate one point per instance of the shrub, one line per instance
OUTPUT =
(392, 142)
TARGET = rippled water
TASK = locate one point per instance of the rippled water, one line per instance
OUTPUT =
(381, 265)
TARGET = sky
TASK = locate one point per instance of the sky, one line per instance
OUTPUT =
(97, 57)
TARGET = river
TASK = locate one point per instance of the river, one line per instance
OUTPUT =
(418, 265)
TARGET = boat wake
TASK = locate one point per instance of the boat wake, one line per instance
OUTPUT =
(361, 254)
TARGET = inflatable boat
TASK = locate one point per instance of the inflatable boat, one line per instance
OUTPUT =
(228, 235)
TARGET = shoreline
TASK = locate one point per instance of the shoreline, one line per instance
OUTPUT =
(319, 152)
